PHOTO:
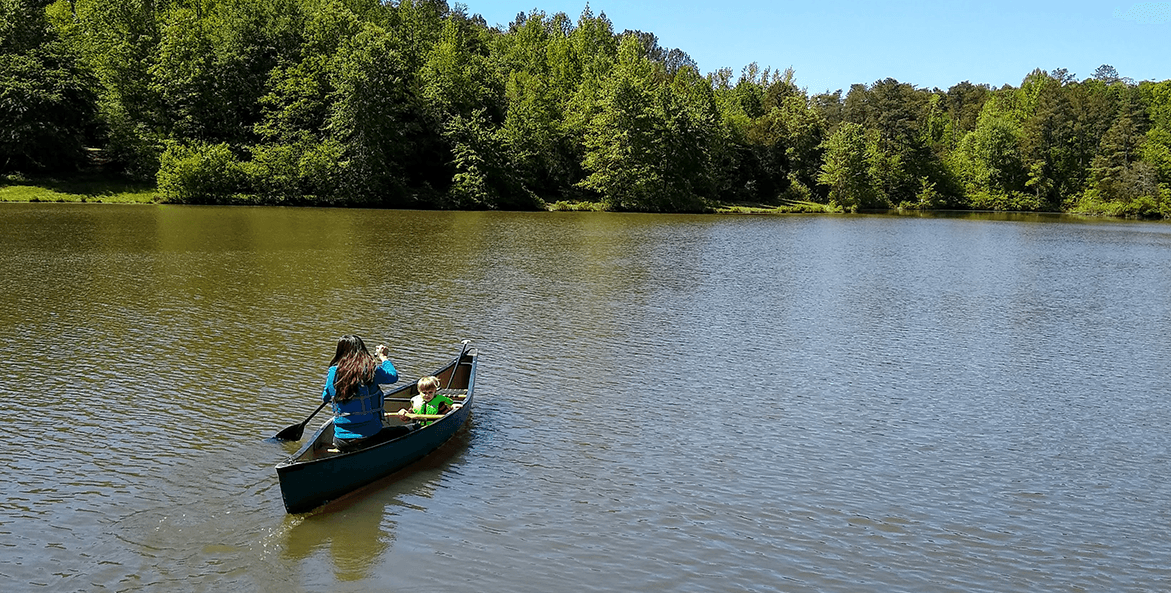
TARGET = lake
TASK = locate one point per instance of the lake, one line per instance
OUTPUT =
(937, 403)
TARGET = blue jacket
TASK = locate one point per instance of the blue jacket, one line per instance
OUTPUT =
(361, 415)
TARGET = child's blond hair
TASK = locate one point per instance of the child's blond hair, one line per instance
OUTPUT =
(429, 382)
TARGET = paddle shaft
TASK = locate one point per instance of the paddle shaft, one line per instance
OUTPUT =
(417, 416)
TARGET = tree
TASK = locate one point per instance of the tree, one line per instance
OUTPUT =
(1116, 172)
(1109, 75)
(186, 80)
(296, 106)
(988, 159)
(47, 98)
(900, 113)
(670, 60)
(846, 169)
(964, 102)
(542, 72)
(647, 148)
(118, 42)
(374, 116)
(1062, 126)
(787, 144)
(1156, 149)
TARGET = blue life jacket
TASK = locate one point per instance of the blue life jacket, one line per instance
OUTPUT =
(361, 415)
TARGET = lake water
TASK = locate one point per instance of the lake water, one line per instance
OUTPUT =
(665, 403)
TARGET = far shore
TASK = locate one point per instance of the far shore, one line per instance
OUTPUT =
(106, 190)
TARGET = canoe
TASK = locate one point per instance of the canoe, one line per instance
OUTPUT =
(317, 473)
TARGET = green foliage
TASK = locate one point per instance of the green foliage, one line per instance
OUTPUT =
(982, 199)
(988, 159)
(295, 173)
(415, 103)
(847, 169)
(47, 97)
(777, 148)
(567, 206)
(455, 78)
(273, 173)
(213, 63)
(911, 126)
(543, 72)
(373, 116)
(483, 178)
(296, 106)
(185, 77)
(648, 145)
(622, 135)
(1156, 151)
(200, 174)
(1117, 174)
(1146, 206)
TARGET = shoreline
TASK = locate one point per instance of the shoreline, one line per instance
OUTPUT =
(92, 189)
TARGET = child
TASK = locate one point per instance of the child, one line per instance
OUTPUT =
(428, 401)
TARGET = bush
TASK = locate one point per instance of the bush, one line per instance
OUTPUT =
(272, 173)
(321, 170)
(1092, 203)
(200, 174)
(1005, 202)
(584, 206)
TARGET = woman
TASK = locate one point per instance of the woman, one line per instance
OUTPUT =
(352, 385)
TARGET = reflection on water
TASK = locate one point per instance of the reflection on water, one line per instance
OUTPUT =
(357, 530)
(353, 538)
(841, 403)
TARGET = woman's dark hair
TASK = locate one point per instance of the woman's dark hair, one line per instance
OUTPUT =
(355, 366)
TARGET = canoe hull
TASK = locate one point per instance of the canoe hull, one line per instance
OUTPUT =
(313, 475)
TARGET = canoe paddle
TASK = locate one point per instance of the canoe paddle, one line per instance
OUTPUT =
(294, 432)
(458, 360)
(417, 416)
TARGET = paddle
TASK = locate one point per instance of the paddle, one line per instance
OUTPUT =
(458, 360)
(294, 432)
(417, 416)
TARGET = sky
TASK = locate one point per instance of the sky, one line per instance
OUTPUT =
(832, 44)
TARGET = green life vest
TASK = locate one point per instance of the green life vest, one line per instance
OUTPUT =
(431, 407)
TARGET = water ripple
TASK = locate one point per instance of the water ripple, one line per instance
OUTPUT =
(665, 402)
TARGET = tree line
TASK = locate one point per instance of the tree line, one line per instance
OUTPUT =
(416, 103)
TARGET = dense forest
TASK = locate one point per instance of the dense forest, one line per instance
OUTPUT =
(416, 103)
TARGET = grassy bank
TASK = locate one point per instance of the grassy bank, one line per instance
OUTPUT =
(81, 188)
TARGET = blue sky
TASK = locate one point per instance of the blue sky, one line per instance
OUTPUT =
(831, 44)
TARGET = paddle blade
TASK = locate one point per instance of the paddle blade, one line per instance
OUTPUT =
(292, 433)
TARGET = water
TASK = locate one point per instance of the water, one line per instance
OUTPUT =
(665, 403)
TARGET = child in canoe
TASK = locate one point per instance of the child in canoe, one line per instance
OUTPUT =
(428, 401)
